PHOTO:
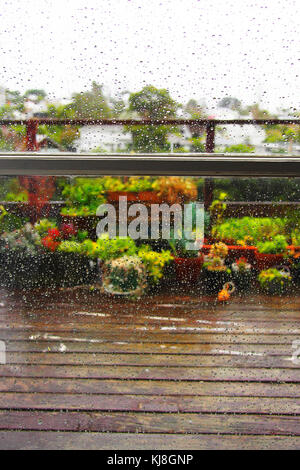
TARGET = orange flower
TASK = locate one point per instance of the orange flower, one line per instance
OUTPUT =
(223, 295)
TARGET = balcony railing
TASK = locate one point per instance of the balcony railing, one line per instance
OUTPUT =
(208, 124)
(192, 164)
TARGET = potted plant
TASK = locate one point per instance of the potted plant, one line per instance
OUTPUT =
(105, 250)
(270, 253)
(124, 276)
(157, 265)
(293, 259)
(243, 234)
(188, 263)
(136, 189)
(83, 197)
(275, 281)
(241, 273)
(175, 189)
(215, 273)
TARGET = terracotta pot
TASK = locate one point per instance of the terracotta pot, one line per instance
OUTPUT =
(113, 196)
(265, 261)
(188, 269)
(142, 196)
(149, 196)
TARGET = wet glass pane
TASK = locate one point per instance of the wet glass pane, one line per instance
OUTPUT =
(149, 312)
(126, 237)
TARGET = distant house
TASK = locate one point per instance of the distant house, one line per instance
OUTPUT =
(48, 145)
(104, 138)
(237, 134)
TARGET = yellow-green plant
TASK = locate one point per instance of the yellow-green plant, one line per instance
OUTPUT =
(154, 262)
(219, 249)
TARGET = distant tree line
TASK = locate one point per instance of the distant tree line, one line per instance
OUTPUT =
(148, 103)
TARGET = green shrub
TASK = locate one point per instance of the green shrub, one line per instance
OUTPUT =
(274, 281)
(276, 246)
(252, 229)
(43, 225)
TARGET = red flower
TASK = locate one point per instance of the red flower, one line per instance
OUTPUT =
(67, 231)
(49, 243)
(54, 233)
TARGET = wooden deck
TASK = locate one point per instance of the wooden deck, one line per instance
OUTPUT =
(167, 372)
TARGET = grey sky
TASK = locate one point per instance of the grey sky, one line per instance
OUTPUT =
(204, 49)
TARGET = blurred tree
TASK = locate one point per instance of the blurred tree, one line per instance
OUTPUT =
(258, 113)
(35, 95)
(91, 104)
(230, 102)
(63, 135)
(198, 131)
(152, 103)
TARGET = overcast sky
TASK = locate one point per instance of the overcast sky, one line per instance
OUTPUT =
(203, 49)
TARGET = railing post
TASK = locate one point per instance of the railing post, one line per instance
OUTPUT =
(208, 182)
(210, 137)
(31, 182)
(31, 131)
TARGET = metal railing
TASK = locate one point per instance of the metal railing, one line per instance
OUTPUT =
(209, 125)
(187, 164)
(148, 164)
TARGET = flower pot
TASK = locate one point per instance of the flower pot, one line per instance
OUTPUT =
(150, 197)
(236, 251)
(188, 270)
(22, 271)
(265, 261)
(213, 281)
(45, 270)
(72, 269)
(113, 196)
(243, 281)
(276, 288)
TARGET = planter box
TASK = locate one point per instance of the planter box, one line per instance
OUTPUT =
(274, 288)
(265, 261)
(45, 270)
(150, 197)
(243, 282)
(213, 281)
(188, 270)
(235, 252)
(18, 271)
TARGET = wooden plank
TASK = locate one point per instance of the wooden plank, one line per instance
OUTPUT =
(154, 373)
(90, 336)
(96, 316)
(146, 387)
(233, 328)
(146, 348)
(163, 360)
(172, 423)
(30, 440)
(164, 404)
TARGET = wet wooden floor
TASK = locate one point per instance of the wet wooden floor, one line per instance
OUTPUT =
(167, 372)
